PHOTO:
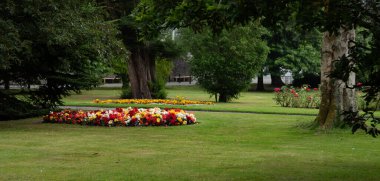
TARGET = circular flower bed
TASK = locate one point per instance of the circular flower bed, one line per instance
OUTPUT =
(123, 117)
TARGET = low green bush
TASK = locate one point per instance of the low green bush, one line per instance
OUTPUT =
(12, 108)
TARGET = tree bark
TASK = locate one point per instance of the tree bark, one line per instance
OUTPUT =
(260, 82)
(222, 97)
(141, 71)
(6, 83)
(335, 96)
(276, 81)
(275, 76)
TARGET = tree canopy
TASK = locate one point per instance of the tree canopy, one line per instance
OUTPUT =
(60, 46)
(225, 64)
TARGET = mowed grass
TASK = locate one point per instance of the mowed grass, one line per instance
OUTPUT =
(257, 102)
(224, 146)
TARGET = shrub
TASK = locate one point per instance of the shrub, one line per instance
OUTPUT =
(362, 104)
(12, 108)
(303, 97)
(126, 93)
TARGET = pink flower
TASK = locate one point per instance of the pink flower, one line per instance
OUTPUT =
(315, 89)
(308, 89)
(277, 89)
(359, 84)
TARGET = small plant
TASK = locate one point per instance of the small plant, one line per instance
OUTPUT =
(366, 122)
(303, 97)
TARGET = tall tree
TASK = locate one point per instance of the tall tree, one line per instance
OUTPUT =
(60, 46)
(292, 49)
(144, 50)
(363, 59)
(338, 19)
(225, 64)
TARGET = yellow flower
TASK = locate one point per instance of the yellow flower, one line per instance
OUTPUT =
(176, 101)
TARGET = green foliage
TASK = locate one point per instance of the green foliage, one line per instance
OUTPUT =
(374, 105)
(293, 49)
(126, 93)
(61, 46)
(217, 15)
(12, 108)
(225, 64)
(163, 70)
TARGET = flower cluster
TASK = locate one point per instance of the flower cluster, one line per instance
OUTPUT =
(177, 101)
(123, 117)
(302, 97)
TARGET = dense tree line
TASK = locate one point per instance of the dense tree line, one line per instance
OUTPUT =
(61, 46)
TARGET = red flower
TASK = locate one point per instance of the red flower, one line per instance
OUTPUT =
(277, 89)
(116, 119)
(308, 89)
(359, 84)
(315, 89)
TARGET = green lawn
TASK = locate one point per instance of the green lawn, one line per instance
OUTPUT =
(258, 102)
(224, 146)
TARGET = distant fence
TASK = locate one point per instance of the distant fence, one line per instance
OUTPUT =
(179, 78)
(111, 80)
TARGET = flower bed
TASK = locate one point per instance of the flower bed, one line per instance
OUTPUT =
(304, 97)
(123, 117)
(177, 101)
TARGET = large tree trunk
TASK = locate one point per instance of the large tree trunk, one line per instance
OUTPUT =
(336, 97)
(141, 71)
(223, 97)
(276, 80)
(275, 76)
(260, 82)
(6, 83)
